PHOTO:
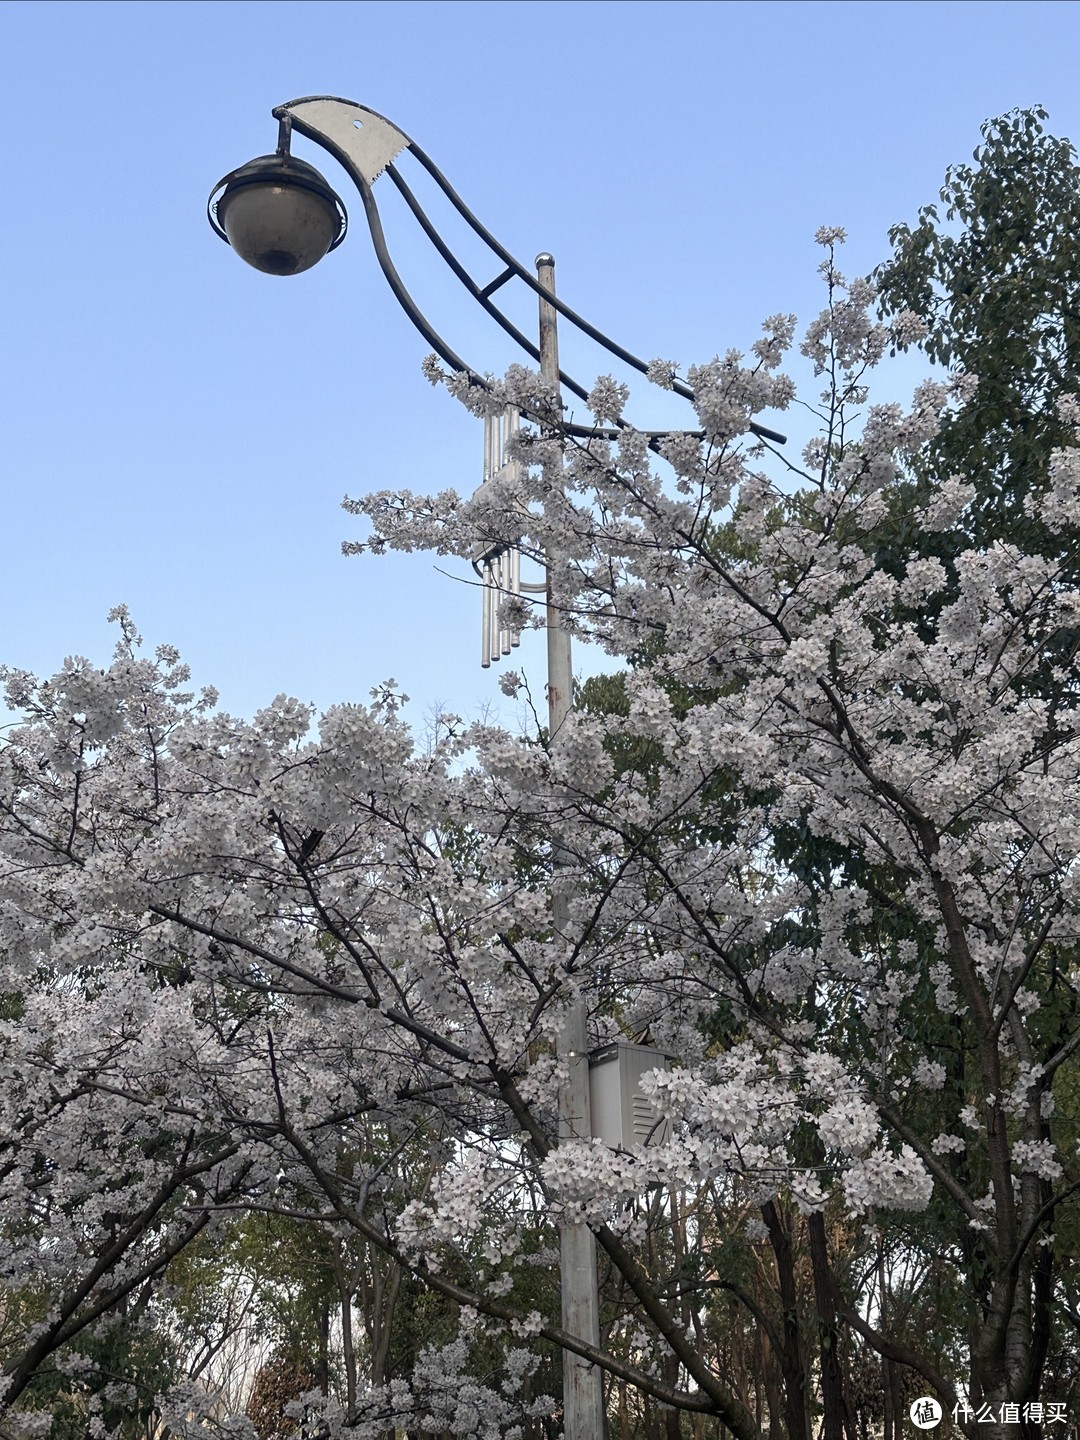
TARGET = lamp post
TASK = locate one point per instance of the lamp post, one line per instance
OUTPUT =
(282, 216)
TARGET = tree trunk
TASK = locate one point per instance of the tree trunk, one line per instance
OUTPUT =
(832, 1382)
(324, 1348)
(796, 1397)
(348, 1343)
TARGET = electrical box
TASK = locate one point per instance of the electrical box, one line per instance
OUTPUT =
(621, 1115)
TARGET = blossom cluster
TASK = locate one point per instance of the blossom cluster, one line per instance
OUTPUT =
(831, 823)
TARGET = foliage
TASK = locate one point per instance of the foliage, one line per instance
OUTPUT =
(988, 282)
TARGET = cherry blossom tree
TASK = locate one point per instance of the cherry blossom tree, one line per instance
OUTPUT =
(235, 951)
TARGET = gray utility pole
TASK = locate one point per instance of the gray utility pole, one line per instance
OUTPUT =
(583, 1394)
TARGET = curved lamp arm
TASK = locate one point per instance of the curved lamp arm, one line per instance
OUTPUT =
(365, 144)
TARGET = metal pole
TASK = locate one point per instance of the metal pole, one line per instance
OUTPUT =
(583, 1395)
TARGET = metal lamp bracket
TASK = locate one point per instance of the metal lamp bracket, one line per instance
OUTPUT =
(369, 140)
(366, 143)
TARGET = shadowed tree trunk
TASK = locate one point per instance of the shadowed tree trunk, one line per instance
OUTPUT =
(796, 1411)
(832, 1380)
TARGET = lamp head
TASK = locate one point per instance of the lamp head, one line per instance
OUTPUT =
(278, 213)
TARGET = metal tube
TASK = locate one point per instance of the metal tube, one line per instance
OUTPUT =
(504, 591)
(496, 628)
(504, 633)
(485, 619)
(515, 588)
(497, 600)
(513, 425)
(496, 590)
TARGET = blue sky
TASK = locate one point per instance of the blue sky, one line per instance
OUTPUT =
(178, 431)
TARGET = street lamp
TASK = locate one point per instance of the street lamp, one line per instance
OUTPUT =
(293, 201)
(282, 216)
(278, 213)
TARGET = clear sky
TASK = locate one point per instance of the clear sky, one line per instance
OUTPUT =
(178, 431)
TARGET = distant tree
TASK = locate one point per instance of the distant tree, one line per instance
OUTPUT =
(988, 282)
(277, 1385)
